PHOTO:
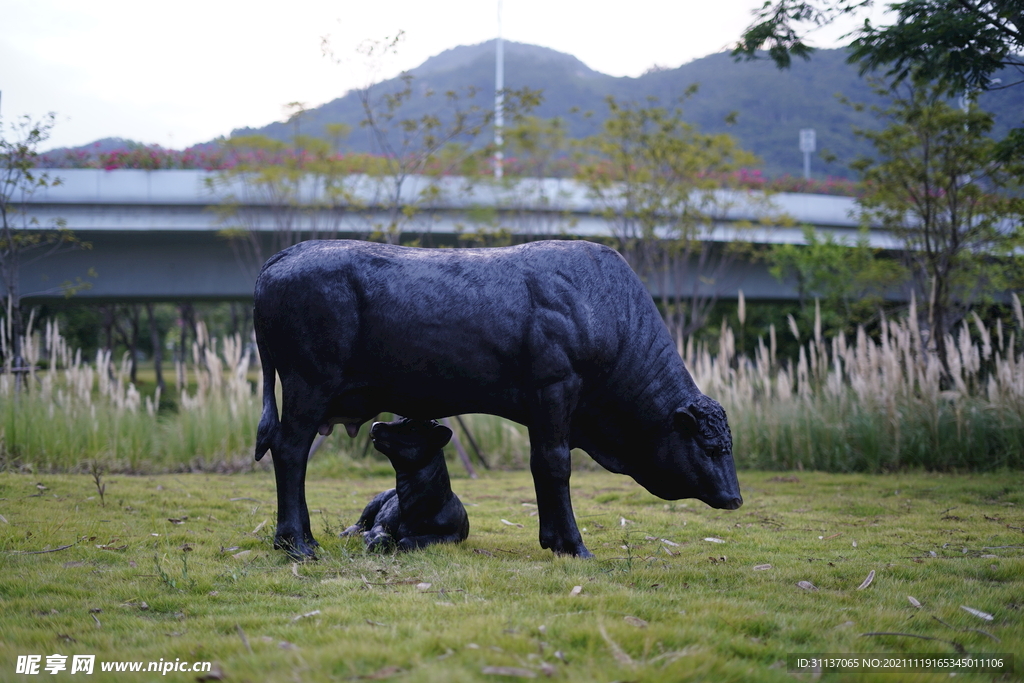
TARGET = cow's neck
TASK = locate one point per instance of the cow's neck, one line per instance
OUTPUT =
(650, 380)
(420, 490)
(636, 402)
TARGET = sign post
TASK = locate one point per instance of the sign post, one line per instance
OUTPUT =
(807, 147)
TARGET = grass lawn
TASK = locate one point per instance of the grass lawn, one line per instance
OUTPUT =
(181, 566)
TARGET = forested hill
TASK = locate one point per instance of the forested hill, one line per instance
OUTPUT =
(771, 105)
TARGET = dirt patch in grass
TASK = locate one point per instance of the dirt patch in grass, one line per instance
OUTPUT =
(181, 567)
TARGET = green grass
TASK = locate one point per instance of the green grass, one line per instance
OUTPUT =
(498, 600)
(36, 438)
(845, 435)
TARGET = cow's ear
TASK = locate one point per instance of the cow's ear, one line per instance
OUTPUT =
(440, 435)
(686, 421)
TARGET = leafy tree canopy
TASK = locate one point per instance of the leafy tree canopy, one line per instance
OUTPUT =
(958, 43)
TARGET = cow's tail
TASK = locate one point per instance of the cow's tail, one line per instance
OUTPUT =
(270, 423)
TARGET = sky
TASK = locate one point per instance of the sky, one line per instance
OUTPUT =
(180, 73)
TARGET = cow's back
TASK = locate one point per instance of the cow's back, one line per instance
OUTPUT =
(472, 328)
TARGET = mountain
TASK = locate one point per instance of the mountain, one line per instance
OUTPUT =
(771, 105)
(101, 146)
(566, 83)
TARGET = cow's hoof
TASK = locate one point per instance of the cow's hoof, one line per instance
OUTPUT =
(580, 552)
(353, 530)
(300, 551)
(569, 550)
(380, 543)
(564, 547)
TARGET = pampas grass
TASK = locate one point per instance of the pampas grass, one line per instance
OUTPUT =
(874, 405)
(73, 415)
(859, 404)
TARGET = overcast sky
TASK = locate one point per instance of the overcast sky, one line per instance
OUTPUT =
(185, 72)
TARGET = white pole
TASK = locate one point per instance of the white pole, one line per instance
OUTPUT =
(499, 99)
(807, 145)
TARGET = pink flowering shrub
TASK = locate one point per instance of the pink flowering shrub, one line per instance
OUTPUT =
(753, 179)
(155, 157)
(149, 158)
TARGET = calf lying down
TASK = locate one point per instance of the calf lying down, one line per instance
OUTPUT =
(422, 509)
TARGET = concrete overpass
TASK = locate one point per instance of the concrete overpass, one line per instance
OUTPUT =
(157, 235)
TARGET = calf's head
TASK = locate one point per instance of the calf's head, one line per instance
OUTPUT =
(409, 444)
(693, 457)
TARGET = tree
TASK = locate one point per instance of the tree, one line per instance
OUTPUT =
(659, 183)
(23, 240)
(940, 190)
(529, 198)
(538, 148)
(424, 147)
(417, 149)
(958, 43)
(851, 279)
(276, 195)
(123, 325)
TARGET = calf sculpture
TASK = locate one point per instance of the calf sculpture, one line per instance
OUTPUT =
(422, 509)
(560, 336)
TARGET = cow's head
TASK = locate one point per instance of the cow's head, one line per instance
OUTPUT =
(409, 444)
(693, 457)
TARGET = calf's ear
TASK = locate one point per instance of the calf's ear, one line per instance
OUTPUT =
(440, 435)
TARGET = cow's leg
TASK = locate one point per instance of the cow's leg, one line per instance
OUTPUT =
(368, 519)
(551, 467)
(293, 530)
(378, 539)
(389, 519)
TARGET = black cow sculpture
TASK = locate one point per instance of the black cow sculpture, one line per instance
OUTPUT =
(560, 336)
(422, 509)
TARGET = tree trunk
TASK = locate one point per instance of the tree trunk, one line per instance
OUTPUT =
(183, 337)
(14, 314)
(940, 330)
(133, 343)
(188, 324)
(12, 282)
(158, 353)
(108, 327)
